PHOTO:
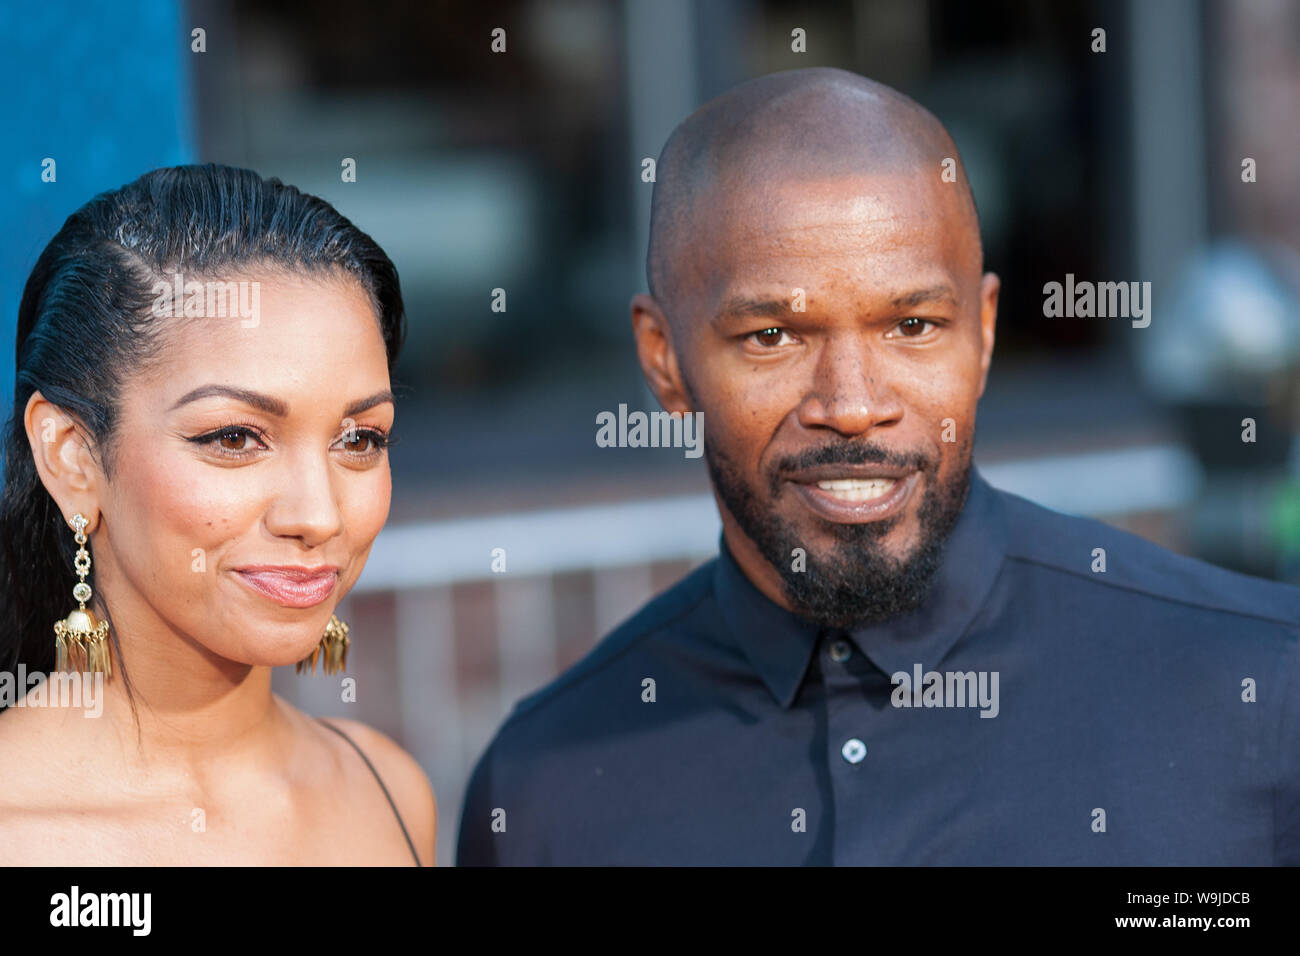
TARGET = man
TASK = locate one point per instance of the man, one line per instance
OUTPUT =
(890, 662)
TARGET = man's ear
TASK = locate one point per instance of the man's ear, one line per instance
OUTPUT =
(654, 349)
(990, 286)
(63, 459)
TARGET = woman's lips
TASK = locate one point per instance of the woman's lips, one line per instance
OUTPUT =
(851, 501)
(291, 589)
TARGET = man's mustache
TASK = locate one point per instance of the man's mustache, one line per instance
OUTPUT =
(849, 453)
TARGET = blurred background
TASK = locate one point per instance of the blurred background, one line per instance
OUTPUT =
(521, 170)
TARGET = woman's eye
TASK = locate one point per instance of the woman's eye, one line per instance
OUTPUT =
(239, 441)
(356, 442)
(912, 327)
(768, 338)
(234, 440)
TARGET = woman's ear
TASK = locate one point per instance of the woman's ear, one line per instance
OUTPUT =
(63, 458)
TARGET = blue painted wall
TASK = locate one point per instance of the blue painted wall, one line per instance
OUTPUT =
(104, 90)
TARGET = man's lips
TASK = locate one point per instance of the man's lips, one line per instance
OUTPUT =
(291, 586)
(854, 494)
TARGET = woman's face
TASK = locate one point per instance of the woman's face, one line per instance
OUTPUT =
(249, 448)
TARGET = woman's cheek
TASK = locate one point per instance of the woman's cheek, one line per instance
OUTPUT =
(194, 515)
(369, 506)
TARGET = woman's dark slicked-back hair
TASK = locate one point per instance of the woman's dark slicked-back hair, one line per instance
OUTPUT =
(85, 324)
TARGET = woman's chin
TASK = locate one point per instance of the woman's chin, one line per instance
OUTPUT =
(282, 655)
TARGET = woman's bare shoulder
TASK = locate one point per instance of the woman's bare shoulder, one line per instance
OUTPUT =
(405, 779)
(28, 737)
(39, 802)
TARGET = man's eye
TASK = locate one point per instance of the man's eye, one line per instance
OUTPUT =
(768, 338)
(912, 327)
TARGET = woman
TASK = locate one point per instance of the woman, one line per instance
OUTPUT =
(203, 362)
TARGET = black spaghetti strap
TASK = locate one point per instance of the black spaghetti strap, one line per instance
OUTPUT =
(381, 786)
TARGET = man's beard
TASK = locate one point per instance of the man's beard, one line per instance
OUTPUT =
(857, 584)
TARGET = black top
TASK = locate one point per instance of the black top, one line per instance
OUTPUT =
(409, 842)
(1147, 713)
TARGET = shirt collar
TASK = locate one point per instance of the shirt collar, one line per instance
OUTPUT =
(780, 644)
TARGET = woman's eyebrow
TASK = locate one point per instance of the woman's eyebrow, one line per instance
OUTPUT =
(273, 406)
(376, 399)
(265, 403)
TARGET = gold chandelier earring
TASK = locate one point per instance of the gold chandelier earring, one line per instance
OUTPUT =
(332, 649)
(80, 640)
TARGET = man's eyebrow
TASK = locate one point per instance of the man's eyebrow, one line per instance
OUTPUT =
(745, 307)
(272, 406)
(938, 293)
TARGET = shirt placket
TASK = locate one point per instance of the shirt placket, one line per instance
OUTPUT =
(851, 762)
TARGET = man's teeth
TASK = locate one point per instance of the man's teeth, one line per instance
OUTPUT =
(857, 489)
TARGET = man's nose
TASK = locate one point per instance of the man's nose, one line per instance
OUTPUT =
(850, 391)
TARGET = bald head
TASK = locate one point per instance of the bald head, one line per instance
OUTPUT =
(800, 125)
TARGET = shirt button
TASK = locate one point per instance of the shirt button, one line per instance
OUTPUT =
(840, 651)
(854, 750)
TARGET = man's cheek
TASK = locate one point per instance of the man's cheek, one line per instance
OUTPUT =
(947, 418)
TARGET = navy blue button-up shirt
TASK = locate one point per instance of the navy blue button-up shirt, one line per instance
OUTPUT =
(1037, 709)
